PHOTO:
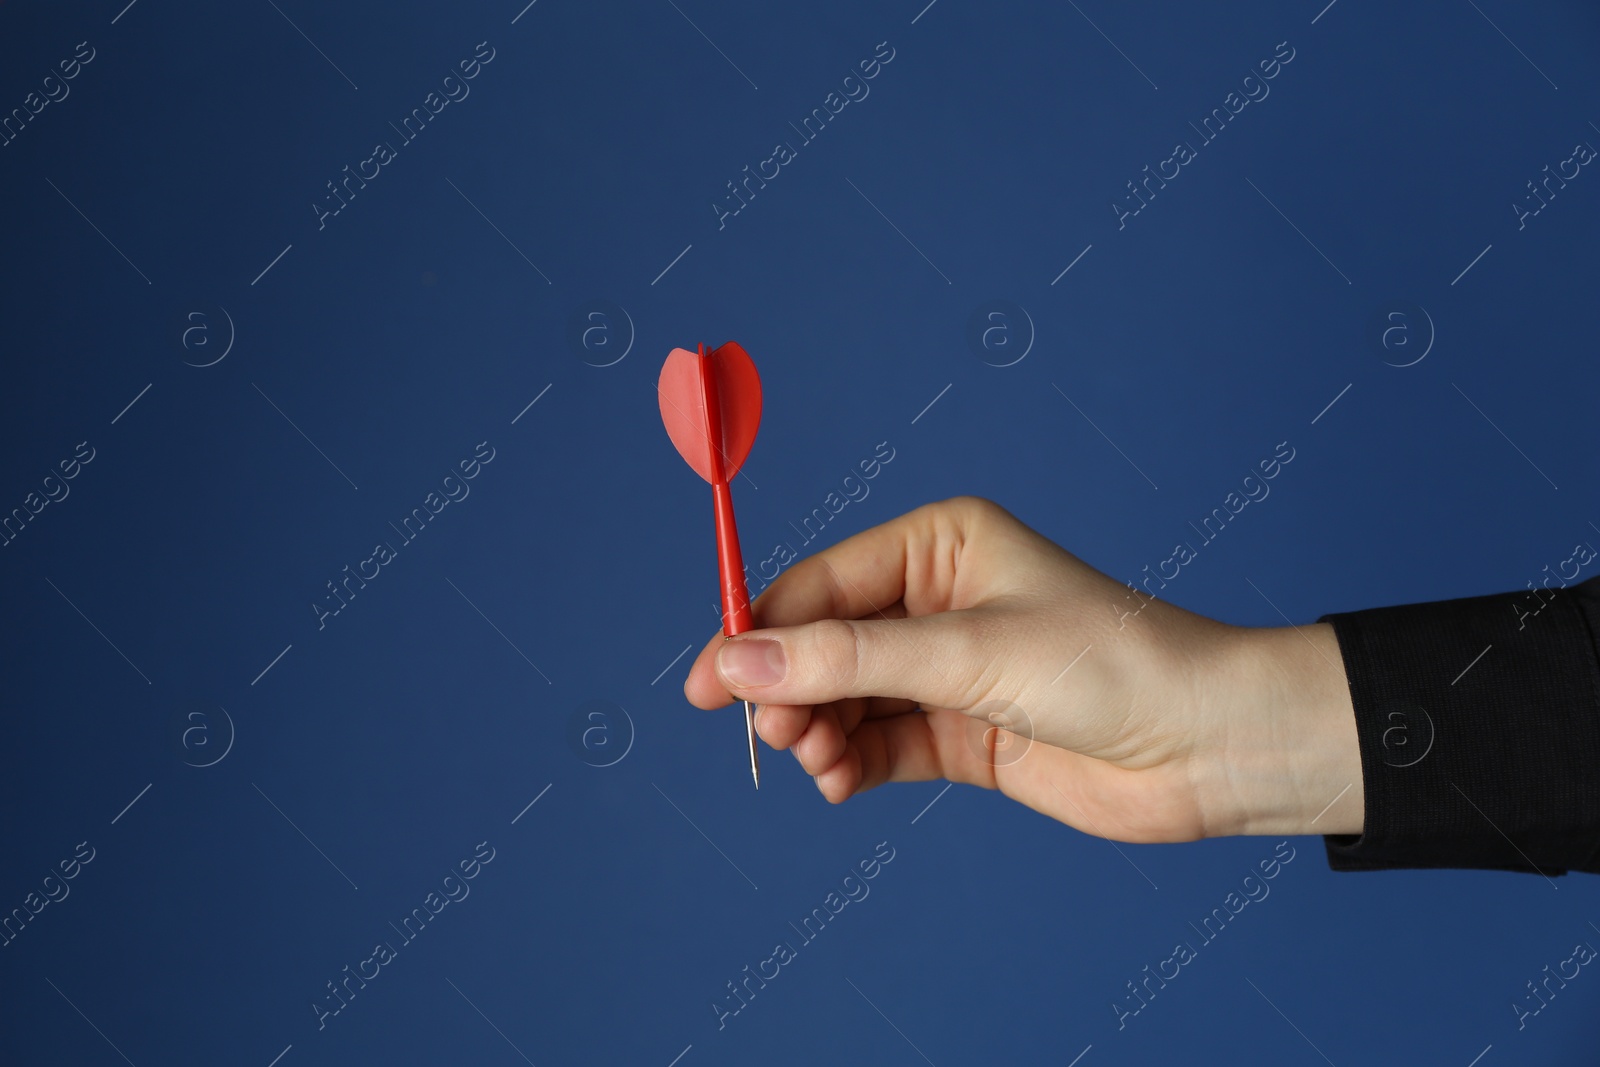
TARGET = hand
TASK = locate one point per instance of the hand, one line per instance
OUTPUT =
(955, 642)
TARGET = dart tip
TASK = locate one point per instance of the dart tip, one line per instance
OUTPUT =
(755, 761)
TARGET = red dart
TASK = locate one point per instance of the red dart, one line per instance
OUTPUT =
(711, 406)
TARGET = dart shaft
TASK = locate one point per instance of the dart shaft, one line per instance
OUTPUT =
(736, 615)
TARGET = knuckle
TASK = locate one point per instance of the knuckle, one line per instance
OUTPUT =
(976, 506)
(836, 653)
(963, 515)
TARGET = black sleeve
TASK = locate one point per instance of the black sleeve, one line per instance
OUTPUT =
(1479, 726)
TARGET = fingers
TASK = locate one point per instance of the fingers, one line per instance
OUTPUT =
(856, 744)
(702, 688)
(823, 741)
(781, 725)
(911, 747)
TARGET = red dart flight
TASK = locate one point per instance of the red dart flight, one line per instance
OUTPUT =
(711, 406)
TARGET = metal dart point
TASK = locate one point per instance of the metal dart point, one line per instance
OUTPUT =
(750, 729)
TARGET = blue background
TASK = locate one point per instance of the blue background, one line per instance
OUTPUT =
(379, 750)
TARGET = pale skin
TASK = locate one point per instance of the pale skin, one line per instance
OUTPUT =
(908, 649)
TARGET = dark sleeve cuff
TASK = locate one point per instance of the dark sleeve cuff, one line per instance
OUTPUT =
(1479, 727)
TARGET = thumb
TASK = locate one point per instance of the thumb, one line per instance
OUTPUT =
(934, 660)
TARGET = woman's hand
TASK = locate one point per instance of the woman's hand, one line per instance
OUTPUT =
(955, 642)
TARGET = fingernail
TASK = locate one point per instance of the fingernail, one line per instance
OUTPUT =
(758, 661)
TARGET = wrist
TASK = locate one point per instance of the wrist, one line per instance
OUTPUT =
(1281, 754)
